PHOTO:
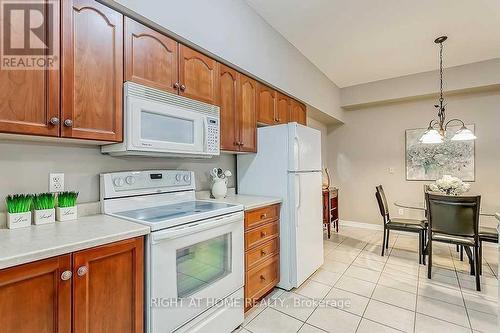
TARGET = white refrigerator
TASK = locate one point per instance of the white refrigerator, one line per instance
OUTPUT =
(288, 165)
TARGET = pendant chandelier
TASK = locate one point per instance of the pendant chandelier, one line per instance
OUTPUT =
(436, 131)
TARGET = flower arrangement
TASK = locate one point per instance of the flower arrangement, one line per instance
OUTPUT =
(19, 210)
(66, 206)
(449, 185)
(43, 205)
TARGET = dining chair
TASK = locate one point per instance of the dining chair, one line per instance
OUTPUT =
(486, 235)
(407, 225)
(454, 220)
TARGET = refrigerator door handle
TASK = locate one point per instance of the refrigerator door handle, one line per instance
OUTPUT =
(297, 188)
(297, 152)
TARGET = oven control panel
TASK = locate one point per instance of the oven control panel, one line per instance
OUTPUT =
(143, 182)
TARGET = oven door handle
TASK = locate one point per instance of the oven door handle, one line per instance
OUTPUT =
(195, 227)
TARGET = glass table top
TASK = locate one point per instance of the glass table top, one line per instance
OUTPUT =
(420, 205)
(172, 211)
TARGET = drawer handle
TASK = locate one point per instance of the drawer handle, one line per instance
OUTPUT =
(66, 275)
(82, 270)
(262, 278)
(263, 216)
(263, 253)
(263, 234)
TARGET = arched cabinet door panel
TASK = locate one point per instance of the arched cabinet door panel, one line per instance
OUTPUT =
(266, 106)
(198, 75)
(92, 78)
(248, 114)
(298, 112)
(282, 108)
(150, 57)
(228, 101)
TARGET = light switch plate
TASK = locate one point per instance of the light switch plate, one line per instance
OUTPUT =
(391, 170)
(56, 182)
(401, 211)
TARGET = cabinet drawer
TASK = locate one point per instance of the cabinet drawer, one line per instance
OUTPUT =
(262, 215)
(261, 234)
(262, 253)
(262, 278)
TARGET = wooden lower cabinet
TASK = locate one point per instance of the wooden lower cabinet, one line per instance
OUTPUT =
(92, 291)
(262, 264)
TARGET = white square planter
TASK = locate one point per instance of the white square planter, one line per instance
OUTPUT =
(66, 213)
(18, 220)
(45, 216)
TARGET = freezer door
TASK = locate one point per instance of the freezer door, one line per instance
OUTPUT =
(305, 148)
(306, 225)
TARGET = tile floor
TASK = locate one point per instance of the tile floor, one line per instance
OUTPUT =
(357, 290)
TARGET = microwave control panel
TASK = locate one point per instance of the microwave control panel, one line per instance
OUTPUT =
(213, 135)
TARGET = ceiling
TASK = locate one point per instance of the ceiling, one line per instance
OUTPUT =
(359, 41)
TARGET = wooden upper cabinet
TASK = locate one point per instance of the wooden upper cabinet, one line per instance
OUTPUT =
(229, 124)
(29, 99)
(266, 106)
(150, 57)
(108, 288)
(282, 109)
(248, 113)
(298, 112)
(198, 75)
(34, 297)
(92, 78)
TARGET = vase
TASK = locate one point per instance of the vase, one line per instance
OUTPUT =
(44, 216)
(18, 220)
(219, 188)
(66, 213)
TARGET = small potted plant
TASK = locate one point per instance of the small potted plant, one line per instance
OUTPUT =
(66, 206)
(43, 205)
(19, 210)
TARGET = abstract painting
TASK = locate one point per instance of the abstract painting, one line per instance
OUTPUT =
(432, 161)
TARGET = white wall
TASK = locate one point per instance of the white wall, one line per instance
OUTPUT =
(311, 122)
(25, 168)
(233, 31)
(373, 139)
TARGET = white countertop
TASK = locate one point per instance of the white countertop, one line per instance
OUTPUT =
(247, 201)
(19, 246)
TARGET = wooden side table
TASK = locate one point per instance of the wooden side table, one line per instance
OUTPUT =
(330, 209)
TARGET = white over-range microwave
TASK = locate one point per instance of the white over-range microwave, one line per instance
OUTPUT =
(158, 123)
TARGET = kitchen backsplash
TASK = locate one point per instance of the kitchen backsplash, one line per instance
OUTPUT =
(25, 167)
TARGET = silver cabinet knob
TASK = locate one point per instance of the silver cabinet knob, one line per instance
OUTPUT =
(54, 121)
(68, 122)
(176, 85)
(66, 275)
(183, 87)
(82, 270)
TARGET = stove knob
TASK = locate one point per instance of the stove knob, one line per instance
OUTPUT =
(130, 180)
(178, 177)
(118, 181)
(187, 178)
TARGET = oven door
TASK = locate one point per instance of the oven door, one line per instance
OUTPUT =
(192, 267)
(162, 127)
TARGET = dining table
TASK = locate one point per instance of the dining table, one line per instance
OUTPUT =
(485, 210)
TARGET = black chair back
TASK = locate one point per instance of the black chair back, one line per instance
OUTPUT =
(453, 215)
(382, 203)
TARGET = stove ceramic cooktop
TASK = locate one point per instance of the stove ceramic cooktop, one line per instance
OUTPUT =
(165, 216)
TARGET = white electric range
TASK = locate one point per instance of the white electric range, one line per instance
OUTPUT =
(194, 254)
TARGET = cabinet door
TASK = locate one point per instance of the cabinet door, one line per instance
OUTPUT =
(298, 112)
(150, 57)
(35, 298)
(266, 106)
(282, 109)
(198, 75)
(229, 123)
(29, 99)
(108, 288)
(92, 79)
(247, 113)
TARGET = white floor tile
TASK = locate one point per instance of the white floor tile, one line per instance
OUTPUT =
(369, 263)
(449, 312)
(313, 289)
(362, 273)
(356, 286)
(408, 284)
(354, 304)
(325, 277)
(390, 315)
(426, 324)
(484, 322)
(310, 329)
(449, 295)
(273, 321)
(368, 326)
(334, 320)
(481, 303)
(297, 306)
(334, 266)
(395, 297)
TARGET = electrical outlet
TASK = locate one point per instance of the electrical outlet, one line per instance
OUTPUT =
(56, 182)
(401, 212)
(391, 170)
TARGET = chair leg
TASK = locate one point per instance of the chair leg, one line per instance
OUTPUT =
(458, 248)
(387, 240)
(420, 252)
(429, 262)
(480, 258)
(383, 242)
(424, 248)
(477, 262)
(461, 252)
(470, 255)
(329, 227)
